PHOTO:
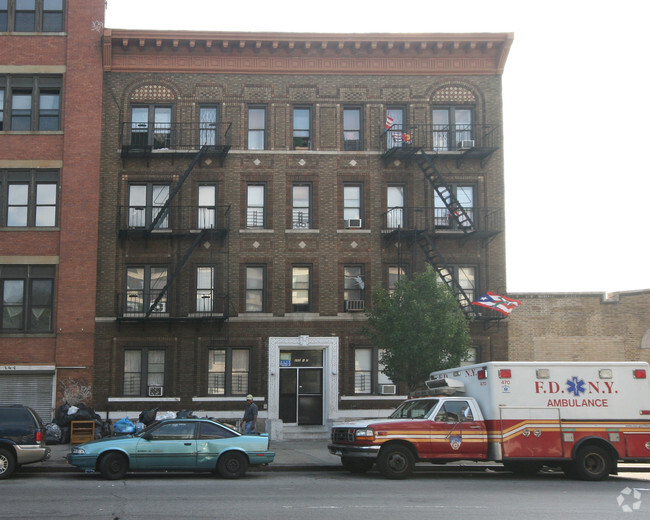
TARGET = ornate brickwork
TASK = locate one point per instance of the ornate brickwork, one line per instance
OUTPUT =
(454, 95)
(152, 92)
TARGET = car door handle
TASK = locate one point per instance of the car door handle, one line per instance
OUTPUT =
(187, 443)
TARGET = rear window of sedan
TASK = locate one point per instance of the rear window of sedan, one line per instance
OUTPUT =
(210, 430)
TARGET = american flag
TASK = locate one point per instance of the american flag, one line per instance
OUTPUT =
(389, 122)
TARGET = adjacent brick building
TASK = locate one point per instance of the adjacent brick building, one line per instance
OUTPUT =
(256, 188)
(581, 327)
(50, 128)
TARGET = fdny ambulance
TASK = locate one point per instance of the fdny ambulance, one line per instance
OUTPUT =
(582, 417)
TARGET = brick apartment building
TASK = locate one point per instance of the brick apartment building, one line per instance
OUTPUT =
(50, 135)
(257, 187)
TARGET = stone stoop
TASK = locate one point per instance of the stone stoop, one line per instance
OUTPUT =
(306, 433)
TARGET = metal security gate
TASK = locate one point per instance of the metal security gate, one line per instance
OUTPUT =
(33, 390)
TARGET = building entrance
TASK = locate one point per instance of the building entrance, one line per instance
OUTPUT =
(301, 387)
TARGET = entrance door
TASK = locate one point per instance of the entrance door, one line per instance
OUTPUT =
(301, 387)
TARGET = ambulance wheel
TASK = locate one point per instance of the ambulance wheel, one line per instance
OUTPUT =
(396, 462)
(593, 463)
(356, 465)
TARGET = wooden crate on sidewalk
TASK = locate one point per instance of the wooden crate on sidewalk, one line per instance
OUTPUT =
(82, 431)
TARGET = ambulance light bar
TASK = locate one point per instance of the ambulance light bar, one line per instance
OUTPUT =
(446, 385)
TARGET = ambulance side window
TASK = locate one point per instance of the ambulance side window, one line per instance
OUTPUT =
(455, 411)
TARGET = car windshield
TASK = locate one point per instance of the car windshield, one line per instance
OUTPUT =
(416, 409)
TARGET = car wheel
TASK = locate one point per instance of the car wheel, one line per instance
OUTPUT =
(7, 463)
(396, 462)
(355, 465)
(113, 466)
(593, 463)
(232, 465)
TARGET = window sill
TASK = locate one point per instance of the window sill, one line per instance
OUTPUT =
(225, 399)
(372, 397)
(31, 132)
(353, 231)
(27, 228)
(303, 230)
(256, 230)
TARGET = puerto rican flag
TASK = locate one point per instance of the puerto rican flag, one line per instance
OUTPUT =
(497, 302)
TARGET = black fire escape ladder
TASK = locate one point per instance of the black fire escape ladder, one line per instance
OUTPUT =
(435, 258)
(164, 209)
(176, 272)
(456, 210)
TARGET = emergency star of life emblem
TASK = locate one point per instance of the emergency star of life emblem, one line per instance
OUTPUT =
(455, 442)
(575, 386)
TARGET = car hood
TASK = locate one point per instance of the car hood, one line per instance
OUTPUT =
(374, 423)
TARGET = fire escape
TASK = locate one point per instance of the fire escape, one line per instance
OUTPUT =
(424, 145)
(167, 220)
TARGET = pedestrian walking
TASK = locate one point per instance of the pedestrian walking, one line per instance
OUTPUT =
(250, 415)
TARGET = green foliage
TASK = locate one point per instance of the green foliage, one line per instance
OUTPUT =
(420, 328)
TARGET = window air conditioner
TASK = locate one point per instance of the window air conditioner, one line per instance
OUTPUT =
(355, 305)
(388, 389)
(155, 391)
(353, 223)
(161, 307)
(467, 144)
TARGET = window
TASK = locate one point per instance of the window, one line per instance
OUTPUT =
(25, 16)
(27, 298)
(395, 273)
(394, 126)
(30, 103)
(205, 289)
(144, 370)
(52, 15)
(208, 124)
(301, 211)
(466, 277)
(207, 215)
(352, 128)
(301, 128)
(29, 197)
(451, 126)
(353, 288)
(255, 283)
(256, 128)
(352, 209)
(369, 376)
(4, 19)
(395, 210)
(465, 197)
(143, 286)
(145, 205)
(151, 125)
(301, 289)
(228, 371)
(255, 214)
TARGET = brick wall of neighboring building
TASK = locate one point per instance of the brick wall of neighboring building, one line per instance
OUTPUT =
(55, 335)
(581, 327)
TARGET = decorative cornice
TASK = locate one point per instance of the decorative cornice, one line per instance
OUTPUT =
(308, 53)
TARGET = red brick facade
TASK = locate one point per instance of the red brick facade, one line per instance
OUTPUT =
(60, 346)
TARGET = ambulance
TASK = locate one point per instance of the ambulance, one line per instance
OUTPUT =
(583, 417)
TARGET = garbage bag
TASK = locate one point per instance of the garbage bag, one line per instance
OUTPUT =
(184, 414)
(165, 415)
(62, 418)
(124, 426)
(147, 417)
(73, 410)
(52, 434)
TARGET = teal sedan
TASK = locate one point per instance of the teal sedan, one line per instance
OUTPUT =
(175, 445)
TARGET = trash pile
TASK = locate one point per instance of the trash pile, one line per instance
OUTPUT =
(58, 431)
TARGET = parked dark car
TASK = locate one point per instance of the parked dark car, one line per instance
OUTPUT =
(190, 444)
(22, 439)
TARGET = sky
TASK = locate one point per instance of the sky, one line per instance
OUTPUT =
(576, 116)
